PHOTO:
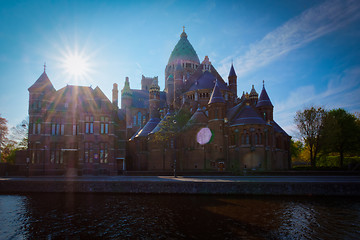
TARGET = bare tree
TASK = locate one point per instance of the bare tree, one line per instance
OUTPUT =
(310, 122)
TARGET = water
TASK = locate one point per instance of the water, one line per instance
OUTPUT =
(117, 216)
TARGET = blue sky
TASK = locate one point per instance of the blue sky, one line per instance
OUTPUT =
(307, 52)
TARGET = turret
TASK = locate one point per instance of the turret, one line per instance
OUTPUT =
(233, 81)
(126, 95)
(265, 106)
(38, 90)
(253, 96)
(216, 104)
(170, 92)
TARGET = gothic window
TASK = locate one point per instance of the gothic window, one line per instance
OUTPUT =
(247, 139)
(89, 124)
(139, 119)
(135, 120)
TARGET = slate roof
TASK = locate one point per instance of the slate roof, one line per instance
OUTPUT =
(149, 126)
(264, 99)
(207, 81)
(183, 50)
(247, 115)
(43, 83)
(216, 96)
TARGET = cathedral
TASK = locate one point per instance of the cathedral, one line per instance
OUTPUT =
(197, 123)
(166, 129)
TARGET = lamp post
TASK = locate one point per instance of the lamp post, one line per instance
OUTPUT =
(174, 139)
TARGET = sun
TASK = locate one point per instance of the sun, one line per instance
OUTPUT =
(76, 65)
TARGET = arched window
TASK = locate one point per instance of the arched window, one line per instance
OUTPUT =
(247, 139)
(256, 139)
(134, 120)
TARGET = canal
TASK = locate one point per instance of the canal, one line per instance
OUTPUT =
(125, 216)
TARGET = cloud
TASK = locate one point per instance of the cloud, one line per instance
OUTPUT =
(343, 91)
(298, 31)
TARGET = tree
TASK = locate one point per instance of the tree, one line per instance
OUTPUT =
(309, 122)
(3, 134)
(296, 148)
(340, 133)
(19, 134)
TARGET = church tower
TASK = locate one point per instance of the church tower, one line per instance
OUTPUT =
(126, 101)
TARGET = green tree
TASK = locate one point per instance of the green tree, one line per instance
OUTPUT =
(340, 133)
(296, 147)
(309, 122)
(3, 135)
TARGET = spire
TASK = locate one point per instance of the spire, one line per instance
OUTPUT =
(44, 66)
(232, 71)
(216, 96)
(264, 99)
(126, 90)
(42, 84)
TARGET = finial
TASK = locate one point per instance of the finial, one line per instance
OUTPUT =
(263, 83)
(44, 66)
(183, 28)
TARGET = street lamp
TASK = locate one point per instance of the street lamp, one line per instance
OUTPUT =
(174, 139)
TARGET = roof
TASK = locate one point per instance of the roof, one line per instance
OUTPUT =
(43, 83)
(247, 115)
(149, 126)
(232, 71)
(216, 96)
(207, 81)
(264, 99)
(183, 50)
(277, 128)
(166, 124)
(198, 118)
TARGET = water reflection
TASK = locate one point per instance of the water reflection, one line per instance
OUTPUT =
(109, 216)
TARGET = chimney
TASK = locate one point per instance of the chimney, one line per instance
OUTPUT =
(115, 95)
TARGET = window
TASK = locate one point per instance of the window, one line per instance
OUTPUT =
(57, 128)
(256, 139)
(56, 155)
(103, 153)
(75, 130)
(135, 120)
(104, 125)
(139, 119)
(247, 139)
(89, 124)
(88, 152)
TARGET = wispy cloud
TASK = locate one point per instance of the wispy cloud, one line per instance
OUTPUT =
(343, 91)
(298, 31)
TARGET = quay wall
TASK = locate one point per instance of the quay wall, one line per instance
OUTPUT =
(182, 187)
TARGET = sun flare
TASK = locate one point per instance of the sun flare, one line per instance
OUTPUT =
(76, 65)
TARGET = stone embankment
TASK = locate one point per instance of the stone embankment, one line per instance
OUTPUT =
(281, 185)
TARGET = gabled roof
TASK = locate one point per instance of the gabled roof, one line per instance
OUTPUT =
(264, 99)
(247, 115)
(207, 81)
(99, 94)
(232, 71)
(149, 126)
(183, 50)
(216, 96)
(43, 83)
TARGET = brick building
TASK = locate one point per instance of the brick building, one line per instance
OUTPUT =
(243, 131)
(74, 130)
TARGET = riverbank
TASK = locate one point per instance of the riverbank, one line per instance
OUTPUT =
(229, 185)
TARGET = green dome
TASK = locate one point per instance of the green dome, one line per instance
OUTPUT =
(183, 51)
